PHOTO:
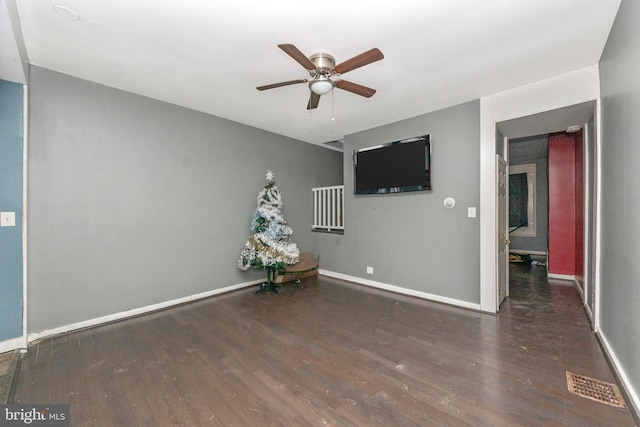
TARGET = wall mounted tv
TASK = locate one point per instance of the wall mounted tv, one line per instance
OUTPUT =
(394, 167)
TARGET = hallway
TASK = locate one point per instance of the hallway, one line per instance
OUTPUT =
(547, 316)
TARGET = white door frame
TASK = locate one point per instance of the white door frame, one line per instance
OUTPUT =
(557, 92)
(502, 219)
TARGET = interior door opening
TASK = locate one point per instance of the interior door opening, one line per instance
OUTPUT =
(531, 241)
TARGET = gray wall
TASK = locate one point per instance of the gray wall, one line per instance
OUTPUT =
(410, 239)
(533, 150)
(134, 202)
(11, 159)
(620, 269)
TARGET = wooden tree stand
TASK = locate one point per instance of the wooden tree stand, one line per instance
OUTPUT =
(306, 266)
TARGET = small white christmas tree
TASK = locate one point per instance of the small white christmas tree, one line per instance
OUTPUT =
(269, 246)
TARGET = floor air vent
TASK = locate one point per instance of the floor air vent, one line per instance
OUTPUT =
(593, 389)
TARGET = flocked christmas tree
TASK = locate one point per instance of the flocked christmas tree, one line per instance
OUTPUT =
(269, 247)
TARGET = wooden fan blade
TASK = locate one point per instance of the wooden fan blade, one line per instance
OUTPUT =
(355, 88)
(300, 57)
(358, 61)
(314, 99)
(274, 85)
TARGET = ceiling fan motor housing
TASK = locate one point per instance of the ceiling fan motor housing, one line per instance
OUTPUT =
(324, 63)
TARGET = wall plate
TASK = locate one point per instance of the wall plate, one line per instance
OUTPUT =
(7, 219)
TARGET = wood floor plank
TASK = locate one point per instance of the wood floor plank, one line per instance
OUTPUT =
(79, 357)
(331, 354)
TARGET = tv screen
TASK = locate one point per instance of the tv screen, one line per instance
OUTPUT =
(394, 167)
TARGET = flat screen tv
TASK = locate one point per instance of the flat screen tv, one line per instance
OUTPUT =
(394, 167)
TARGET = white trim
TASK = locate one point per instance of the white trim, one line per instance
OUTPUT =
(502, 227)
(587, 239)
(25, 170)
(528, 252)
(560, 91)
(576, 283)
(622, 375)
(401, 290)
(569, 277)
(572, 279)
(136, 311)
(598, 215)
(587, 310)
(13, 344)
(488, 215)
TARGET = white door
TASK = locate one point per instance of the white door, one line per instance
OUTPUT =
(503, 236)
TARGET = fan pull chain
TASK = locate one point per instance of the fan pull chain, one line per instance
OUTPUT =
(332, 105)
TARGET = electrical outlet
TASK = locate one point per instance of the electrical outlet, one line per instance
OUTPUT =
(369, 270)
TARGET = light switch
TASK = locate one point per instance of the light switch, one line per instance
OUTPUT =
(7, 219)
(471, 212)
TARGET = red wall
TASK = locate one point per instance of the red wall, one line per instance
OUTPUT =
(562, 204)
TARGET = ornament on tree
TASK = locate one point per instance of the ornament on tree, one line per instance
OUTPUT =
(269, 246)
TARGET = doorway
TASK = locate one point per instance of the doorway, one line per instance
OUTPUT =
(532, 236)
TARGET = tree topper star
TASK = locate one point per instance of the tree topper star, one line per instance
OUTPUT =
(270, 175)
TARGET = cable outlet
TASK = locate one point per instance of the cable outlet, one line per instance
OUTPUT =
(369, 270)
(7, 219)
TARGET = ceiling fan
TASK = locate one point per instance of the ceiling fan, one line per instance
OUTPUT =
(325, 73)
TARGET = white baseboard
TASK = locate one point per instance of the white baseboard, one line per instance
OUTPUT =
(400, 290)
(576, 283)
(622, 375)
(13, 344)
(527, 251)
(136, 311)
(569, 277)
(587, 310)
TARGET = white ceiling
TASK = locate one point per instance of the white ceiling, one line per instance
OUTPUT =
(210, 55)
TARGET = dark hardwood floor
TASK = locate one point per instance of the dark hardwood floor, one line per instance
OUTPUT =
(8, 362)
(332, 354)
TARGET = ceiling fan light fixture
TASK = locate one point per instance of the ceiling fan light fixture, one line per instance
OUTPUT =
(321, 86)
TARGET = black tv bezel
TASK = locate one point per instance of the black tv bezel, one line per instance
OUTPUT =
(391, 190)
